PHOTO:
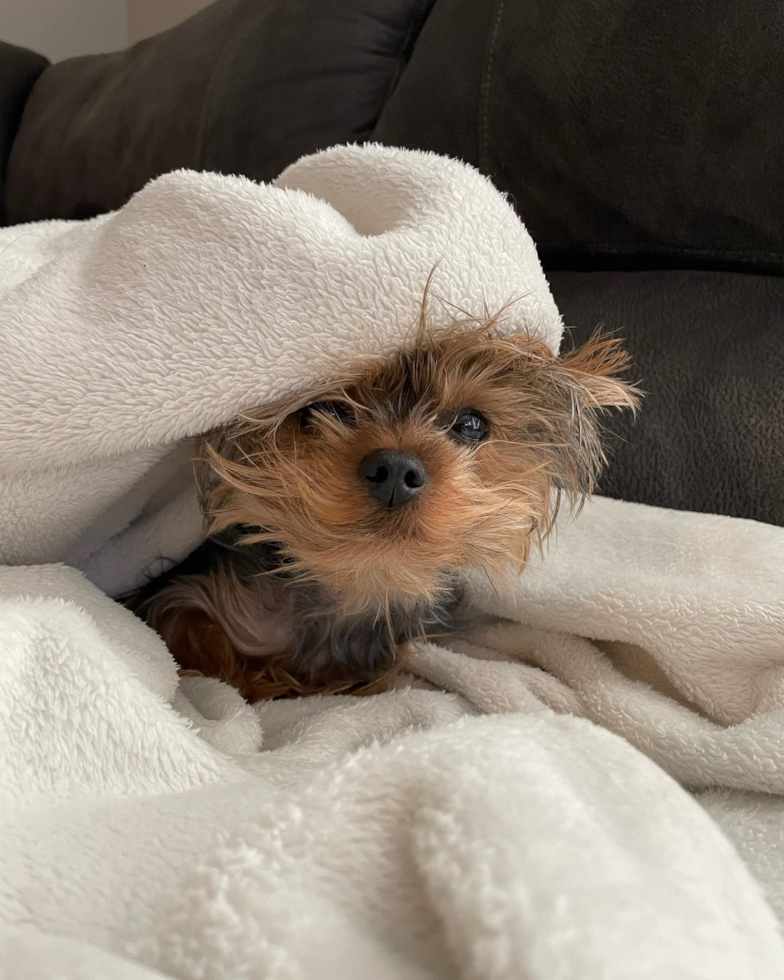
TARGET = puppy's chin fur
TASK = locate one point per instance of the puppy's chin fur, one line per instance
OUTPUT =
(307, 582)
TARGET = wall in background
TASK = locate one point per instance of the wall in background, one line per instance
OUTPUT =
(66, 28)
(147, 17)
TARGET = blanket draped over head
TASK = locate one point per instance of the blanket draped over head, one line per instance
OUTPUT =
(206, 296)
(588, 786)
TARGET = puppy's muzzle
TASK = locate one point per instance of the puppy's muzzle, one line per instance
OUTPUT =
(393, 478)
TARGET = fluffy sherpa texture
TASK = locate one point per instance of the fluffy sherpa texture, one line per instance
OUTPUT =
(509, 812)
(205, 295)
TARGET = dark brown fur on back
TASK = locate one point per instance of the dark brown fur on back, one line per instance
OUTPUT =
(232, 611)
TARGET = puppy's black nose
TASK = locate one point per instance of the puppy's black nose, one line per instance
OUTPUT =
(391, 477)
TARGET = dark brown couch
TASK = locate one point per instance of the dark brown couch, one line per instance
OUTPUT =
(641, 143)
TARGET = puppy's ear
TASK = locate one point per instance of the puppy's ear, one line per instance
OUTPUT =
(594, 370)
(577, 388)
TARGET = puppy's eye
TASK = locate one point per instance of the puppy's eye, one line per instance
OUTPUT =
(469, 426)
(338, 411)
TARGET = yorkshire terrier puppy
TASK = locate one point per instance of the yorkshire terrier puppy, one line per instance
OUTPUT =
(339, 520)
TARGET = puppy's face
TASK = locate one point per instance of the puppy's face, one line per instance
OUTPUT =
(450, 453)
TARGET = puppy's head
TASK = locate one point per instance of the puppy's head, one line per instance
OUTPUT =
(451, 452)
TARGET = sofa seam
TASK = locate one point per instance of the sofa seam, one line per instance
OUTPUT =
(206, 111)
(417, 19)
(484, 118)
(5, 163)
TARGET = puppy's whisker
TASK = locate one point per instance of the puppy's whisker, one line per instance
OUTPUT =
(489, 517)
(489, 579)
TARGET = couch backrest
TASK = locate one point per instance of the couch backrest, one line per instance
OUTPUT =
(244, 86)
(629, 133)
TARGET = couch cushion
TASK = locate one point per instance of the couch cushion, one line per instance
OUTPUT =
(707, 349)
(629, 134)
(244, 86)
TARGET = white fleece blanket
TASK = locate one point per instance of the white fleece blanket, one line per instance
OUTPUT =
(496, 828)
(528, 804)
